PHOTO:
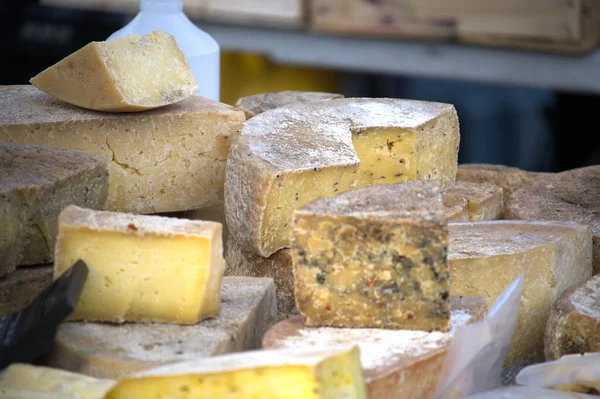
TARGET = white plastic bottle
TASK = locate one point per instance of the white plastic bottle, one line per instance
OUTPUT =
(201, 50)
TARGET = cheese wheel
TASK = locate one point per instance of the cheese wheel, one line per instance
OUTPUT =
(259, 103)
(473, 202)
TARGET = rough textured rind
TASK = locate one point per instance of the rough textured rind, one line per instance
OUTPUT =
(373, 257)
(18, 289)
(573, 195)
(110, 351)
(397, 363)
(473, 202)
(164, 160)
(315, 141)
(574, 322)
(36, 183)
(485, 257)
(259, 103)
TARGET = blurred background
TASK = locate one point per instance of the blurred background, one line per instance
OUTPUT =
(524, 75)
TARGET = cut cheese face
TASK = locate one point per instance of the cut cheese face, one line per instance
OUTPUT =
(165, 160)
(291, 156)
(275, 374)
(142, 268)
(486, 257)
(19, 288)
(131, 73)
(373, 257)
(115, 351)
(473, 202)
(259, 103)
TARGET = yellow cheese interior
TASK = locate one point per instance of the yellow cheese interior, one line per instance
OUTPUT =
(143, 278)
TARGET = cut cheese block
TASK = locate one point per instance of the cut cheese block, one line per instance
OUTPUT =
(131, 73)
(485, 257)
(573, 195)
(52, 381)
(527, 393)
(259, 103)
(374, 257)
(142, 268)
(111, 351)
(473, 202)
(397, 363)
(332, 373)
(36, 183)
(291, 156)
(18, 289)
(245, 262)
(212, 214)
(574, 323)
(164, 160)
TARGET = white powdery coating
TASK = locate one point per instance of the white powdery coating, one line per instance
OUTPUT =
(586, 299)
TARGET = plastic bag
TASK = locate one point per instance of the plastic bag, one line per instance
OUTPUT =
(476, 356)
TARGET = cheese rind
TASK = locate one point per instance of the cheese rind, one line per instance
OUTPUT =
(373, 257)
(473, 202)
(574, 322)
(142, 268)
(36, 183)
(293, 155)
(485, 257)
(573, 195)
(275, 374)
(396, 363)
(132, 73)
(164, 160)
(116, 351)
(259, 103)
(19, 288)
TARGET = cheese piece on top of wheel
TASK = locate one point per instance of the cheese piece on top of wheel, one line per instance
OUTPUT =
(574, 323)
(573, 195)
(293, 155)
(485, 257)
(330, 373)
(115, 351)
(397, 363)
(142, 268)
(132, 73)
(259, 103)
(21, 287)
(36, 183)
(374, 257)
(473, 202)
(164, 160)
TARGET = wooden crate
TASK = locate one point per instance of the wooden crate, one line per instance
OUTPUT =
(556, 25)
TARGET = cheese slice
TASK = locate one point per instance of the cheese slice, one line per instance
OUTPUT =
(142, 268)
(291, 156)
(473, 202)
(574, 323)
(332, 373)
(259, 103)
(21, 287)
(164, 160)
(397, 363)
(115, 351)
(36, 183)
(131, 73)
(485, 257)
(374, 257)
(573, 195)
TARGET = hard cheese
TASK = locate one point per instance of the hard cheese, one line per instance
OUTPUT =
(131, 73)
(291, 156)
(276, 374)
(36, 183)
(142, 268)
(19, 288)
(397, 363)
(164, 160)
(259, 103)
(374, 257)
(573, 195)
(486, 257)
(111, 351)
(473, 202)
(574, 323)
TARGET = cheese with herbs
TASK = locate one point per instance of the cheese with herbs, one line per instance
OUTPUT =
(259, 103)
(473, 202)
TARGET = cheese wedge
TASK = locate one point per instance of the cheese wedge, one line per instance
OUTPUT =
(259, 103)
(276, 374)
(486, 257)
(473, 202)
(131, 73)
(21, 287)
(291, 156)
(142, 268)
(397, 363)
